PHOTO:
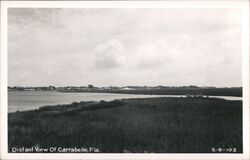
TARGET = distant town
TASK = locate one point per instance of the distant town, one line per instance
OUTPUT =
(157, 90)
(94, 88)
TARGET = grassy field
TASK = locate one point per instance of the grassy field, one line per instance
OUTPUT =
(158, 125)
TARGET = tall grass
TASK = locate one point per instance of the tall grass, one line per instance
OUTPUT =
(158, 125)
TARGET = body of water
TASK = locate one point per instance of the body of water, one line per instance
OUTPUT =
(28, 100)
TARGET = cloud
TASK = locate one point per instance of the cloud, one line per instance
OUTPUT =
(49, 66)
(156, 53)
(110, 54)
(24, 75)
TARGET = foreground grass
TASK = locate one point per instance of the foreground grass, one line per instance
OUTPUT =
(167, 125)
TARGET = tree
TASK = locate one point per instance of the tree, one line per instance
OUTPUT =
(91, 86)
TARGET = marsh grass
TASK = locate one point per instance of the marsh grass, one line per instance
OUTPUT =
(158, 125)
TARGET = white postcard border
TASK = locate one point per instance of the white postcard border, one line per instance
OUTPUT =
(242, 4)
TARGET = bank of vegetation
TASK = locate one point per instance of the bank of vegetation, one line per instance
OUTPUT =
(153, 125)
(237, 92)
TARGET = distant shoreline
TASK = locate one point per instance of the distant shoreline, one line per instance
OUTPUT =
(236, 92)
(204, 92)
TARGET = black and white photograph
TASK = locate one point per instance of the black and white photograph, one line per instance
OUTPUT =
(126, 80)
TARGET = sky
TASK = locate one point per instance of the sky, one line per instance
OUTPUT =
(120, 47)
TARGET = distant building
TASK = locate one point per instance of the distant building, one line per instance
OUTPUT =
(126, 88)
(52, 88)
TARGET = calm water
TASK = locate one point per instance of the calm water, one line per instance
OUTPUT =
(27, 100)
